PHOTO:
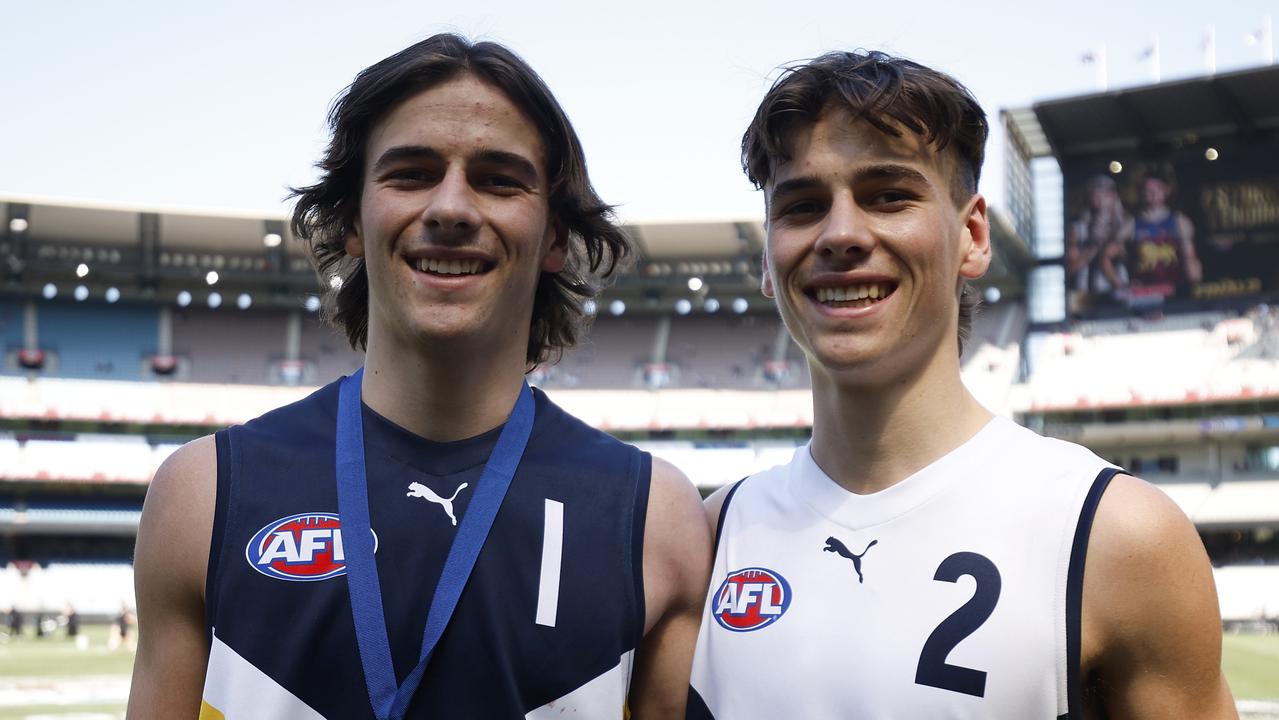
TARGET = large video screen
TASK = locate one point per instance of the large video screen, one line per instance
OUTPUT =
(1197, 227)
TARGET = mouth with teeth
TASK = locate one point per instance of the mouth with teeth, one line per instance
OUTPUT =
(860, 295)
(438, 266)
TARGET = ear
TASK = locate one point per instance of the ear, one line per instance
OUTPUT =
(976, 240)
(766, 280)
(555, 257)
(354, 244)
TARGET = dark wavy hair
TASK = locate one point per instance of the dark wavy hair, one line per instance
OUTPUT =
(889, 93)
(325, 211)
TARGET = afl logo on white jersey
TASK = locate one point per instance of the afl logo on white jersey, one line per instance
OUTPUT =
(302, 548)
(750, 599)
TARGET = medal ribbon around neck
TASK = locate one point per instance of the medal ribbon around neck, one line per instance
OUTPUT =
(389, 701)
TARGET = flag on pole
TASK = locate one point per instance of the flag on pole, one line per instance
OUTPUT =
(1209, 47)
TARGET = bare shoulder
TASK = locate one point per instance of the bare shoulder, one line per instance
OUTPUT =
(674, 508)
(1152, 627)
(676, 541)
(170, 563)
(177, 516)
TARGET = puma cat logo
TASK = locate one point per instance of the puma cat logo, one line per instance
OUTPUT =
(421, 491)
(834, 545)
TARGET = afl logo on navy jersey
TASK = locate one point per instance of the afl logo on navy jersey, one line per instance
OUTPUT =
(301, 548)
(750, 599)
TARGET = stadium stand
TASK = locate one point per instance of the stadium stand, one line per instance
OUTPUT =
(97, 341)
(217, 349)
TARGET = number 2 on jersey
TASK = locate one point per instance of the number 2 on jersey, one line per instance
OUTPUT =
(933, 669)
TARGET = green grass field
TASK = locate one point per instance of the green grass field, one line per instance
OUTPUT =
(88, 684)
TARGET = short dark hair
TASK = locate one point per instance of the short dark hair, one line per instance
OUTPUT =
(325, 212)
(889, 93)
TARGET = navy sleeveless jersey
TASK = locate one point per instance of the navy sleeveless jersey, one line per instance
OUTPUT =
(548, 621)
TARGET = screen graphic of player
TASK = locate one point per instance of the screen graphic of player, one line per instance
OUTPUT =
(1093, 235)
(1158, 247)
(988, 572)
(429, 538)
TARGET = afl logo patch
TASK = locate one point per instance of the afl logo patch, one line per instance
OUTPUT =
(301, 548)
(751, 599)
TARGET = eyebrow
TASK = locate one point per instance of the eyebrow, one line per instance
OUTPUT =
(401, 153)
(877, 172)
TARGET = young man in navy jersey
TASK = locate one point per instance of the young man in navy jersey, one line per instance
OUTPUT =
(428, 538)
(921, 558)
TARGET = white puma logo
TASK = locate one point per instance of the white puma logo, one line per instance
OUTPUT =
(422, 491)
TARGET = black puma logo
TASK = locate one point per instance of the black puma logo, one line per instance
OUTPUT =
(834, 545)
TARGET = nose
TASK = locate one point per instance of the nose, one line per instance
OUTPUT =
(846, 235)
(451, 210)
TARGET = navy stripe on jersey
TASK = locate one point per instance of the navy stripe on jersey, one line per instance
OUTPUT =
(1075, 591)
(697, 709)
(638, 520)
(723, 513)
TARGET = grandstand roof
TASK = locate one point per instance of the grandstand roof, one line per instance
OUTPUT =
(90, 221)
(1241, 103)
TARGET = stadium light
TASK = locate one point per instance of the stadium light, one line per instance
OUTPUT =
(49, 291)
(740, 305)
(683, 306)
(272, 240)
(1211, 154)
(184, 298)
(215, 300)
(589, 307)
(19, 225)
(212, 277)
(695, 284)
(617, 307)
(244, 302)
(81, 293)
(711, 305)
(1116, 167)
(81, 270)
(312, 303)
(113, 294)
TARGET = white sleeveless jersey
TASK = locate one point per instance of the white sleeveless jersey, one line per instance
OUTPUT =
(952, 594)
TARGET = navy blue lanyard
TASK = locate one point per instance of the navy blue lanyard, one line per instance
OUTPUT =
(391, 702)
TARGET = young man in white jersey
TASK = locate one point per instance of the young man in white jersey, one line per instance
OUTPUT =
(921, 558)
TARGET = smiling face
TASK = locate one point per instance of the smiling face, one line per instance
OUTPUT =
(866, 248)
(454, 223)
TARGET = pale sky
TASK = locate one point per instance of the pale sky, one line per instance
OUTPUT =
(223, 105)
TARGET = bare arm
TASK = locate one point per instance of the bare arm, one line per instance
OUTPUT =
(1194, 268)
(1077, 259)
(169, 569)
(1115, 249)
(1151, 625)
(677, 559)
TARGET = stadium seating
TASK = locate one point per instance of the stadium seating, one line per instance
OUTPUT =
(1178, 359)
(93, 588)
(1248, 593)
(229, 346)
(327, 351)
(96, 340)
(728, 352)
(710, 467)
(10, 332)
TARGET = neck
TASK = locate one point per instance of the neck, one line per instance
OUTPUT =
(442, 396)
(869, 436)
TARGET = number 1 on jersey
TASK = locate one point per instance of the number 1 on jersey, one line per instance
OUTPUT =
(933, 669)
